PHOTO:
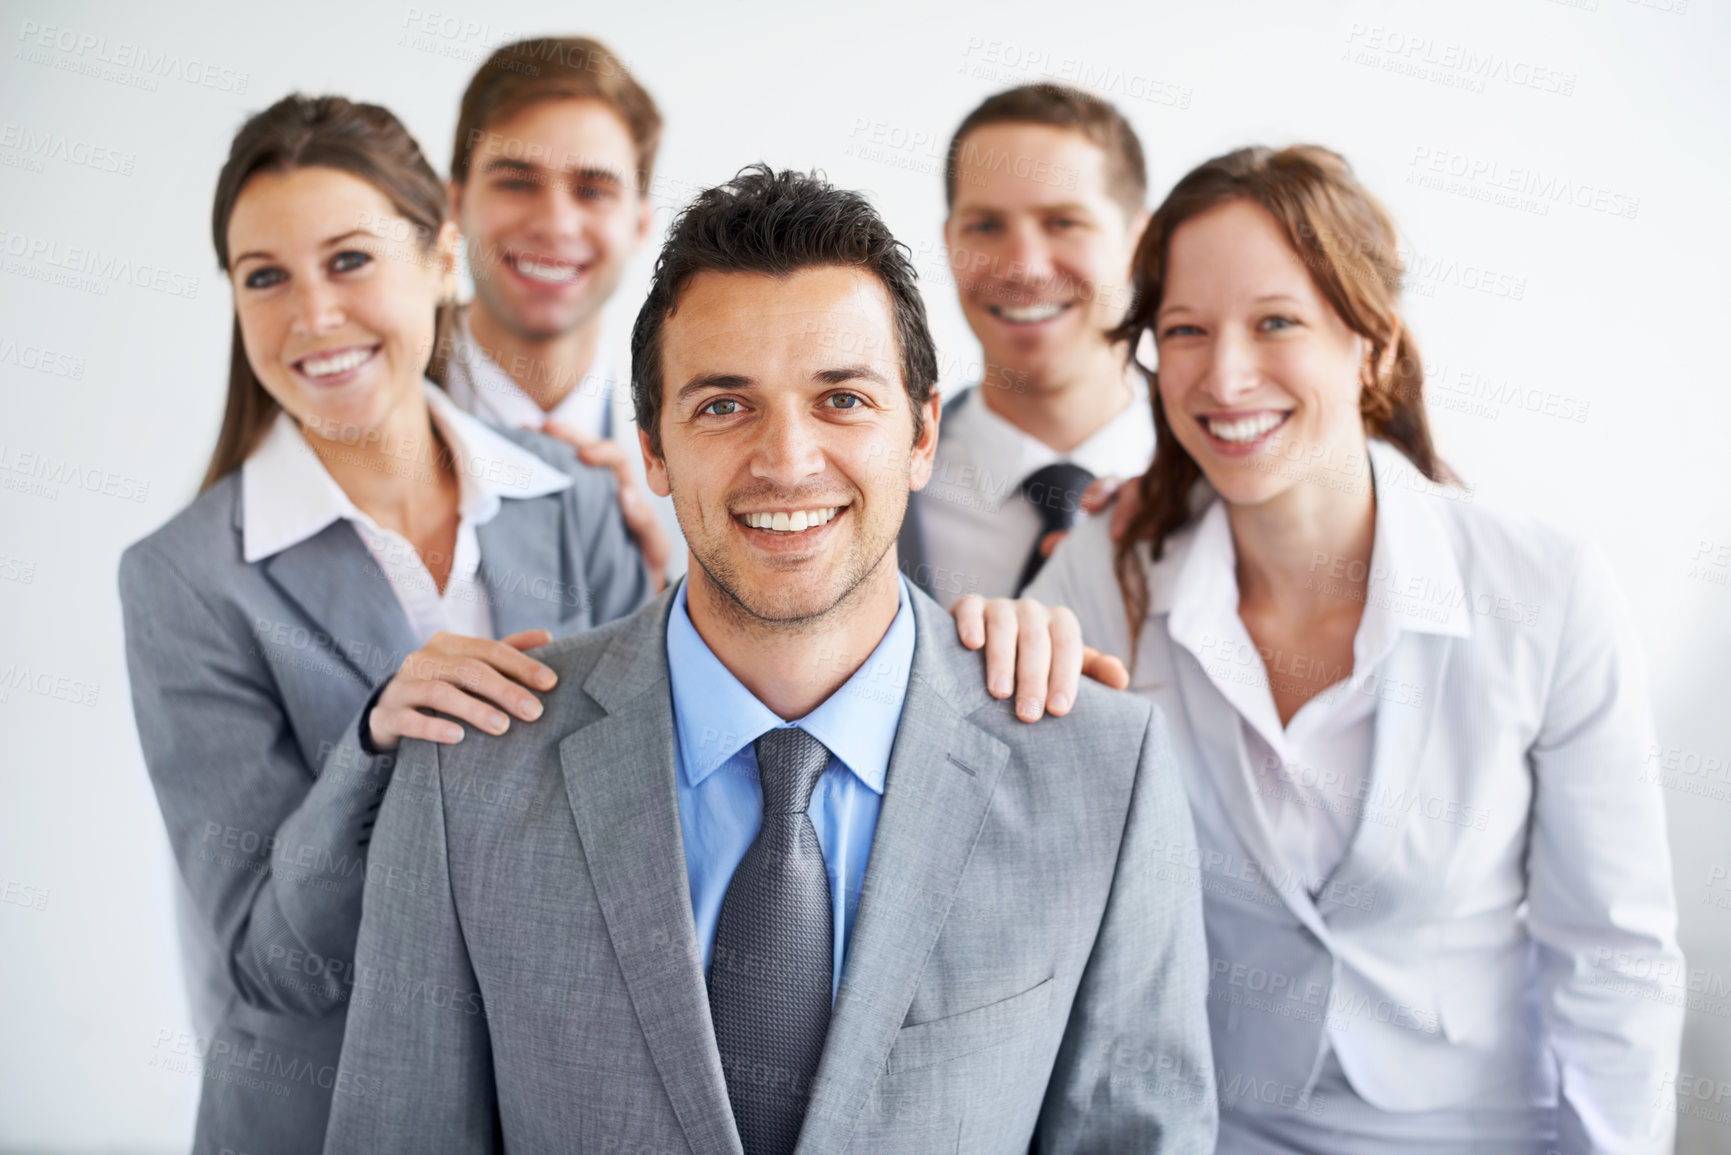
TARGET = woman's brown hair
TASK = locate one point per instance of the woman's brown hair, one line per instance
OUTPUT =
(1348, 243)
(363, 140)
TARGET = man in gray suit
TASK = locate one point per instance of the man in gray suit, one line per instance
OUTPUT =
(668, 918)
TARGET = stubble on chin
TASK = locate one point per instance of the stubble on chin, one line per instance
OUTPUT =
(740, 614)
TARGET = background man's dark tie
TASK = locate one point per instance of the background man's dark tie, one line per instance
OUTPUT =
(1055, 492)
(770, 969)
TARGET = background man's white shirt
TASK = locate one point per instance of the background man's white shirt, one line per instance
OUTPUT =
(483, 387)
(976, 526)
(600, 404)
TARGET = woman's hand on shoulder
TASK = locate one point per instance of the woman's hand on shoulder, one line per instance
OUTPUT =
(1034, 651)
(471, 679)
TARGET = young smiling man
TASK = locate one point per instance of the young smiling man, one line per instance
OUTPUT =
(550, 177)
(1046, 187)
(781, 875)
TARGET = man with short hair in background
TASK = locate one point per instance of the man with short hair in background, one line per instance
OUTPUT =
(550, 178)
(1046, 187)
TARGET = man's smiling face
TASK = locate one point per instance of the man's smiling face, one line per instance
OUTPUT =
(551, 215)
(787, 437)
(1040, 248)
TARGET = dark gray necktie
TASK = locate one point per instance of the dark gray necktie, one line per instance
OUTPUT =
(1055, 492)
(769, 971)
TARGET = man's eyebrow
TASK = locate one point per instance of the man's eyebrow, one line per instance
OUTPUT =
(712, 381)
(590, 173)
(1074, 208)
(845, 373)
(595, 174)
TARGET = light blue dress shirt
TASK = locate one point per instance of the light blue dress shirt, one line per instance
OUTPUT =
(715, 722)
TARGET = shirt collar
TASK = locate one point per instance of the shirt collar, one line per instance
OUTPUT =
(716, 716)
(1414, 581)
(1121, 447)
(287, 495)
(477, 378)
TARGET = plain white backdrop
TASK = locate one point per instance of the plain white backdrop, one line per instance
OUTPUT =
(1558, 167)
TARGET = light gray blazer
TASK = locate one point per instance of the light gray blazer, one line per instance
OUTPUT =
(528, 970)
(248, 681)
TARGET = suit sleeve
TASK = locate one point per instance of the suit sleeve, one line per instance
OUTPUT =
(273, 853)
(417, 1070)
(1600, 900)
(1135, 1069)
(614, 573)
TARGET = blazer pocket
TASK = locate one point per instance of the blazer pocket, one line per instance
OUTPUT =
(953, 1036)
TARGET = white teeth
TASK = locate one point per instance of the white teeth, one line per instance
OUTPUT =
(545, 271)
(337, 363)
(798, 521)
(1245, 429)
(1028, 314)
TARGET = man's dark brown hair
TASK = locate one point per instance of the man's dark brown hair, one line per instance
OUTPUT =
(1060, 106)
(555, 68)
(775, 224)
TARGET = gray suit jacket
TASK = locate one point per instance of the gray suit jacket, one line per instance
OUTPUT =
(248, 682)
(528, 971)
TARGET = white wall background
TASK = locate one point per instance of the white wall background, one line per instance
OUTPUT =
(1616, 319)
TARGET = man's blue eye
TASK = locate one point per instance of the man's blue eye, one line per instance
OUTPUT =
(852, 400)
(714, 407)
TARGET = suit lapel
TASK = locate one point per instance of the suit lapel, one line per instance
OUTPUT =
(1219, 736)
(336, 582)
(1408, 686)
(942, 772)
(619, 776)
(520, 564)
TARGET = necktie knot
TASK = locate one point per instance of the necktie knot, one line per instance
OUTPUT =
(1055, 492)
(789, 763)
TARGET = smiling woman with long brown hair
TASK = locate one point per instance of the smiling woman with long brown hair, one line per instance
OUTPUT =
(1436, 886)
(337, 586)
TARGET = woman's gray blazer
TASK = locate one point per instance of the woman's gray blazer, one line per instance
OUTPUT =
(248, 685)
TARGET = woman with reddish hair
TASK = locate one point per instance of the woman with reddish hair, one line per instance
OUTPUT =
(1436, 884)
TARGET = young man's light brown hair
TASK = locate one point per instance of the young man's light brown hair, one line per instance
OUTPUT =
(555, 68)
(1061, 106)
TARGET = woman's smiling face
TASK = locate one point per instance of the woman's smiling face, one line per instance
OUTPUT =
(1259, 376)
(335, 292)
